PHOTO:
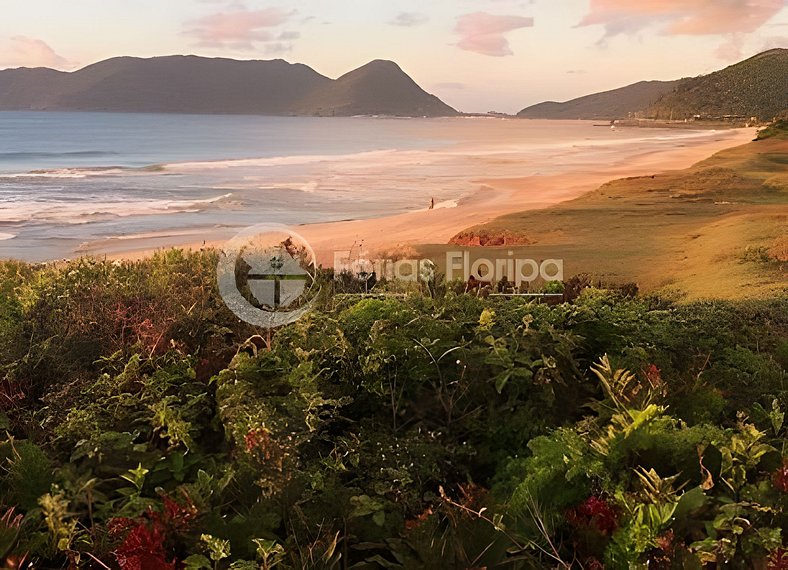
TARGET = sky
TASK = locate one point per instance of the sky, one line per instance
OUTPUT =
(476, 55)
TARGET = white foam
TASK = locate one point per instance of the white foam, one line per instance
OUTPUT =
(446, 204)
(293, 160)
(52, 174)
(85, 211)
(5, 236)
(65, 173)
(309, 187)
(442, 205)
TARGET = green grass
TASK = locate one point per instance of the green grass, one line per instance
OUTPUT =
(778, 129)
(682, 230)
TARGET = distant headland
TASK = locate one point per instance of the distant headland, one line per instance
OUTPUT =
(192, 84)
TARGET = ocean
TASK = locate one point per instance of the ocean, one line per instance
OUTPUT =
(70, 181)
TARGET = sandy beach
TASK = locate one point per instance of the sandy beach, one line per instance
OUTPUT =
(495, 196)
(499, 196)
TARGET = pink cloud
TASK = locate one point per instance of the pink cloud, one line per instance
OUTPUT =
(484, 33)
(22, 51)
(682, 17)
(239, 29)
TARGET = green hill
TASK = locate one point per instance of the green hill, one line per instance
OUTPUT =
(191, 84)
(613, 104)
(755, 87)
(376, 86)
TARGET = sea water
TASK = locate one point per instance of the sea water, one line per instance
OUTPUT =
(72, 179)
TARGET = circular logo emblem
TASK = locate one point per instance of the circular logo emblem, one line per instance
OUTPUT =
(266, 275)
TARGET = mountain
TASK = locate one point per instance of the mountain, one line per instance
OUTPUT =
(757, 86)
(364, 91)
(612, 104)
(191, 84)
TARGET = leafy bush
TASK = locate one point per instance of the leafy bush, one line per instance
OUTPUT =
(147, 427)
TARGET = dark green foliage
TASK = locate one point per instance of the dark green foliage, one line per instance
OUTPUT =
(26, 473)
(753, 87)
(146, 423)
(777, 129)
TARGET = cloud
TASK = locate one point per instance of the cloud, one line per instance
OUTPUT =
(278, 48)
(484, 33)
(681, 17)
(237, 29)
(288, 36)
(22, 51)
(408, 19)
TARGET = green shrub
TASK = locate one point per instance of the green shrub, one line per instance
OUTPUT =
(432, 430)
(25, 473)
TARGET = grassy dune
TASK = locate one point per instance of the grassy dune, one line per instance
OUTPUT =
(718, 229)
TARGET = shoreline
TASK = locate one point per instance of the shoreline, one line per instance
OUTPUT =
(494, 197)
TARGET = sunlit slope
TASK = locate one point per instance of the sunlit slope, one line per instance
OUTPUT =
(718, 229)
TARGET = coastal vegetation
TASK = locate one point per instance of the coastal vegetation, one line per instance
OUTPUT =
(624, 102)
(145, 427)
(715, 230)
(777, 129)
(755, 87)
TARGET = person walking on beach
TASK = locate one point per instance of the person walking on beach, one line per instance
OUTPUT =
(432, 203)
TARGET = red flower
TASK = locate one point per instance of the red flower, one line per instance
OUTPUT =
(143, 549)
(255, 438)
(654, 375)
(665, 541)
(144, 545)
(178, 517)
(595, 512)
